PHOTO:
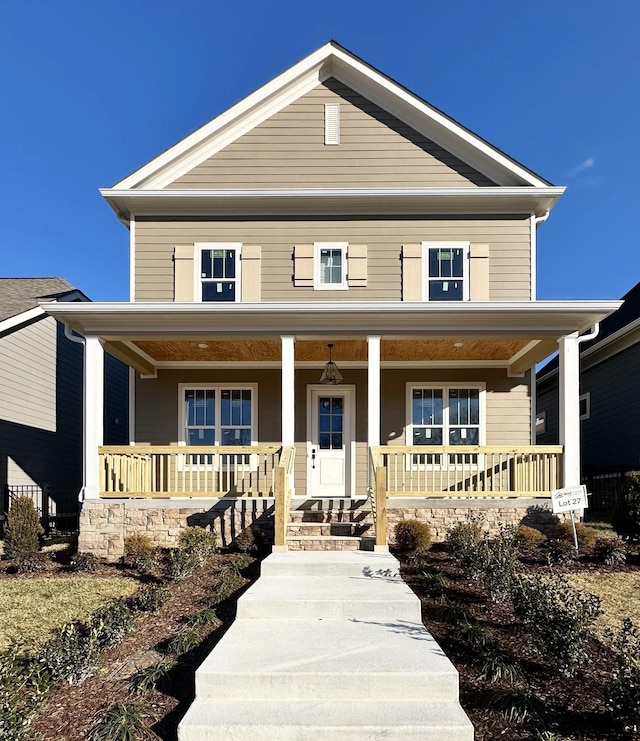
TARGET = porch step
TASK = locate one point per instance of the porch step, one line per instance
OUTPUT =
(330, 524)
(327, 646)
(328, 528)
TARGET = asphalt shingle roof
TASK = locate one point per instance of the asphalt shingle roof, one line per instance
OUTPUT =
(21, 294)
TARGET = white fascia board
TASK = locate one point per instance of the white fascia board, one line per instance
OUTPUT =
(302, 77)
(22, 318)
(243, 116)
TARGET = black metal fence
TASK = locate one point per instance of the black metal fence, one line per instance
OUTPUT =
(50, 516)
(604, 483)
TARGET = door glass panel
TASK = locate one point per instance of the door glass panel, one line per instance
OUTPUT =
(330, 422)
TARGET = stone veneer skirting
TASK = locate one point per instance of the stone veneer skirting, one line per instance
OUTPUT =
(104, 524)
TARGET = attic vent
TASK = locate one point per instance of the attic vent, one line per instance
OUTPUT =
(332, 123)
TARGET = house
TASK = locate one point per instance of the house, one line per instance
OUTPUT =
(330, 216)
(41, 381)
(609, 400)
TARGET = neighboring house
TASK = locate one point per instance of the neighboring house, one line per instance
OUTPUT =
(609, 394)
(41, 381)
(331, 207)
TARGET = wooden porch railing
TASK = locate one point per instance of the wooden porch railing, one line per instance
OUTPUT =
(141, 471)
(378, 496)
(469, 470)
(284, 472)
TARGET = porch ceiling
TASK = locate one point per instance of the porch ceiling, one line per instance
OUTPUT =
(512, 334)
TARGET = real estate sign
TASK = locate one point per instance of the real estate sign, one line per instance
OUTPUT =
(569, 499)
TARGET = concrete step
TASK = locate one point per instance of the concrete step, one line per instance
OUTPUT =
(328, 659)
(358, 563)
(335, 597)
(317, 515)
(323, 720)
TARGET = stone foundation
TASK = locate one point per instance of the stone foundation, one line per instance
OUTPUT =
(104, 524)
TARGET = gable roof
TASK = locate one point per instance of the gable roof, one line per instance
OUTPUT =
(18, 295)
(330, 60)
(625, 319)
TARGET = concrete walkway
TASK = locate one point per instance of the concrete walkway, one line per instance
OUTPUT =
(327, 645)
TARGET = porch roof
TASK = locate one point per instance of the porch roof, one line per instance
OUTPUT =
(125, 327)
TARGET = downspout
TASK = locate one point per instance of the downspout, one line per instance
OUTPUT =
(535, 221)
(80, 341)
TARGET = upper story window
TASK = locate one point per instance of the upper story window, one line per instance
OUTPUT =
(446, 271)
(330, 266)
(218, 266)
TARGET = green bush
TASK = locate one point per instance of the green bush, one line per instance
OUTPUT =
(72, 654)
(23, 688)
(623, 691)
(22, 533)
(610, 551)
(122, 722)
(111, 623)
(626, 514)
(500, 562)
(412, 535)
(84, 562)
(198, 542)
(151, 677)
(558, 616)
(520, 705)
(560, 551)
(466, 545)
(139, 552)
(179, 564)
(250, 540)
(494, 666)
(150, 597)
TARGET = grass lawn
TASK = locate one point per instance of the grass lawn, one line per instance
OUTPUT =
(619, 592)
(30, 608)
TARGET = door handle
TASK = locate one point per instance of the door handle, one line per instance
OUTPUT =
(313, 457)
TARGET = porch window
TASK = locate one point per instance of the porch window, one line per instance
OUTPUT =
(446, 268)
(219, 272)
(217, 415)
(330, 266)
(442, 416)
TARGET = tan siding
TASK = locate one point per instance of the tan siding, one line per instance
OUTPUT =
(507, 237)
(508, 403)
(289, 150)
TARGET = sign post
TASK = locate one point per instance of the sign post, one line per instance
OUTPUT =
(569, 500)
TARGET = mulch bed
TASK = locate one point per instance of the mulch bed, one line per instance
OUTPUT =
(574, 707)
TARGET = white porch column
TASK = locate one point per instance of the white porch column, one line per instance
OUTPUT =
(373, 393)
(569, 398)
(93, 415)
(288, 390)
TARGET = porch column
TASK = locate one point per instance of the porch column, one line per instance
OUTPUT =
(288, 390)
(373, 393)
(570, 408)
(93, 415)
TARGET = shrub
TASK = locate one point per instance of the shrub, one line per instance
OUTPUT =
(466, 545)
(520, 705)
(611, 551)
(151, 677)
(179, 564)
(587, 536)
(495, 667)
(71, 655)
(560, 551)
(122, 722)
(250, 540)
(435, 583)
(111, 623)
(623, 691)
(559, 617)
(23, 532)
(475, 633)
(23, 688)
(198, 542)
(84, 562)
(529, 537)
(150, 597)
(500, 560)
(32, 563)
(238, 564)
(626, 514)
(184, 641)
(202, 617)
(412, 535)
(139, 552)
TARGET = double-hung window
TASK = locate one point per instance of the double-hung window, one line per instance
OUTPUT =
(445, 415)
(218, 276)
(446, 271)
(330, 266)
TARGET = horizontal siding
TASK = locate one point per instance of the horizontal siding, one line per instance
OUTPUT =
(288, 150)
(508, 239)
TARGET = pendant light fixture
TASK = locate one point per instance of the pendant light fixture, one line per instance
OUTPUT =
(331, 374)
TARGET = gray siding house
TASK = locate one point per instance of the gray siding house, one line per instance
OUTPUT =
(609, 392)
(41, 379)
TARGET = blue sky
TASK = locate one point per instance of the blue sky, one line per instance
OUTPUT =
(90, 91)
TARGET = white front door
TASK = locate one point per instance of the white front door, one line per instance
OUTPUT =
(330, 441)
